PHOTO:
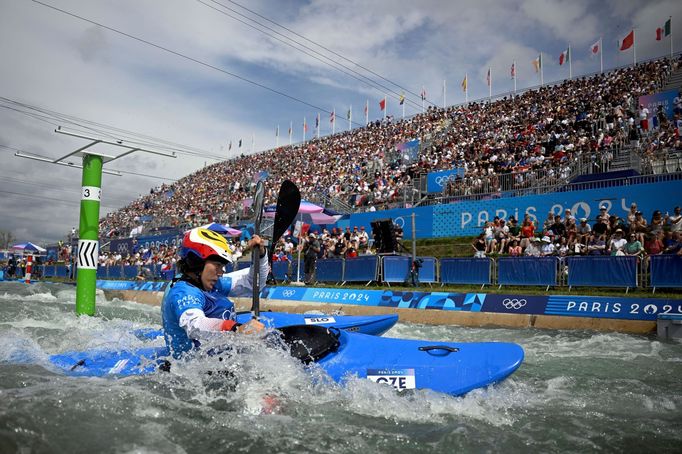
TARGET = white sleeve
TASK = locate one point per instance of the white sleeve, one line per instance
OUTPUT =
(197, 325)
(240, 283)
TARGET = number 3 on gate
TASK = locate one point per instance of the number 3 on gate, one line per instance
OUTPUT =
(91, 193)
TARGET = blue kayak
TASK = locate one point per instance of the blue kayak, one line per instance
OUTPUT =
(448, 367)
(366, 324)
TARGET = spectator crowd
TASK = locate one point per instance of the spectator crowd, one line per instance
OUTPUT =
(510, 143)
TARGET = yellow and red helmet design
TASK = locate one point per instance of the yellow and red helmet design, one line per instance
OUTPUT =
(206, 243)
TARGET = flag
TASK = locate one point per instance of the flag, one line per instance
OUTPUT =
(349, 115)
(382, 104)
(317, 121)
(229, 146)
(305, 126)
(464, 83)
(565, 55)
(277, 131)
(628, 41)
(537, 63)
(332, 116)
(289, 130)
(513, 70)
(595, 47)
(366, 107)
(423, 93)
(402, 98)
(240, 143)
(488, 77)
(665, 31)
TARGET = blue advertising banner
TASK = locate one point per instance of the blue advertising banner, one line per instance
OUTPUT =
(436, 181)
(123, 247)
(146, 242)
(157, 286)
(465, 218)
(573, 306)
(608, 307)
(663, 98)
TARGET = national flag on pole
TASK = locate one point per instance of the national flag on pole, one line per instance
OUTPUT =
(332, 116)
(665, 31)
(277, 131)
(487, 78)
(628, 41)
(423, 93)
(537, 63)
(382, 104)
(366, 107)
(349, 115)
(401, 100)
(317, 121)
(464, 83)
(565, 55)
(289, 130)
(513, 70)
(305, 126)
(240, 143)
(594, 50)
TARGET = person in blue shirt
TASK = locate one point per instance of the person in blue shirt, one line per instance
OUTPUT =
(196, 305)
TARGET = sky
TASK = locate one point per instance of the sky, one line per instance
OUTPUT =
(196, 75)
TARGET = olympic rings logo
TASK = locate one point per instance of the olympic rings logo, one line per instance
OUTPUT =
(287, 293)
(440, 180)
(514, 303)
(122, 247)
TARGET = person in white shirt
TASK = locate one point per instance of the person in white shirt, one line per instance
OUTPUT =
(617, 243)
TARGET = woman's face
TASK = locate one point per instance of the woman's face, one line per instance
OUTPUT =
(211, 273)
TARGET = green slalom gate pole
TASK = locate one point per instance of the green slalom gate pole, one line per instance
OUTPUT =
(88, 244)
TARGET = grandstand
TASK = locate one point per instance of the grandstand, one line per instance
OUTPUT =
(533, 143)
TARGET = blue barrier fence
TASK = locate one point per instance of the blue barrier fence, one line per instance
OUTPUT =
(527, 270)
(588, 271)
(666, 271)
(466, 271)
(361, 269)
(329, 270)
(602, 271)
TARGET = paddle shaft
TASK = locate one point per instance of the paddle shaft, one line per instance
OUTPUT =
(255, 252)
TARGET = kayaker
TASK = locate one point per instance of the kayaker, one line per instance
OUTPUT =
(196, 306)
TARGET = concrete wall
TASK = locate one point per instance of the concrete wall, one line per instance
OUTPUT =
(429, 317)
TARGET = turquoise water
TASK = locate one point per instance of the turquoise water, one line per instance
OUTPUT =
(576, 392)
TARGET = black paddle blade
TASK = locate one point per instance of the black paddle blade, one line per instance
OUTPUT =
(288, 202)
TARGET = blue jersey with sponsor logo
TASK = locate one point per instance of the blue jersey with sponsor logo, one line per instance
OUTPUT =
(182, 296)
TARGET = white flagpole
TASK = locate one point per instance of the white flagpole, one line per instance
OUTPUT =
(385, 106)
(601, 56)
(350, 117)
(444, 93)
(403, 108)
(253, 142)
(542, 77)
(277, 137)
(367, 112)
(333, 121)
(291, 130)
(466, 88)
(304, 127)
(317, 122)
(570, 63)
(515, 70)
(423, 89)
(490, 83)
